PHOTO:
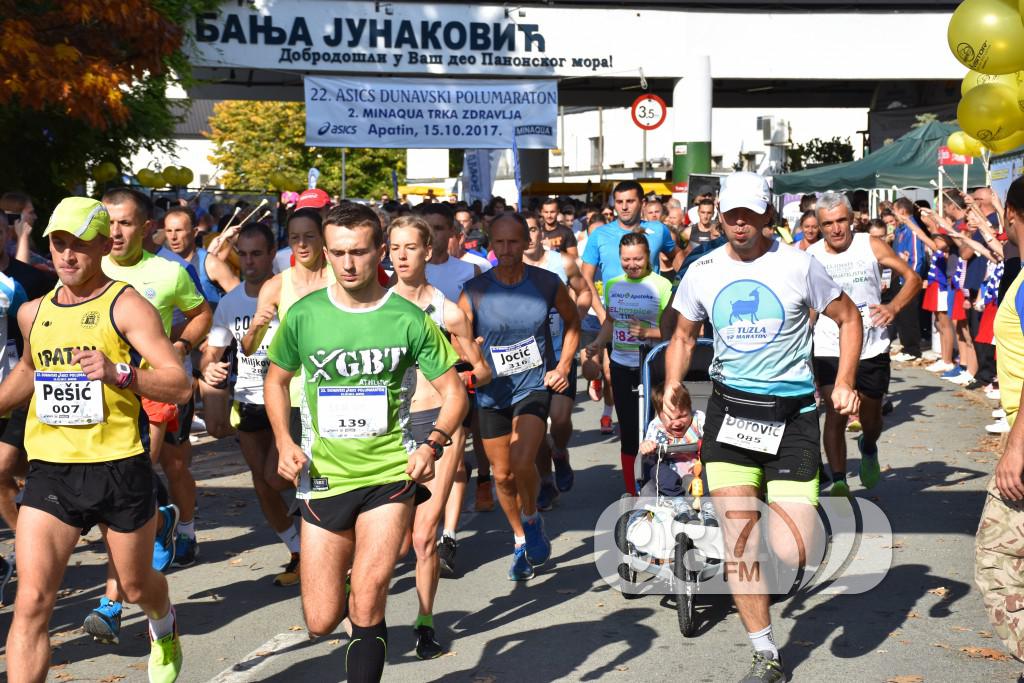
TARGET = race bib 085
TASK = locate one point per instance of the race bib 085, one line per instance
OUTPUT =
(753, 435)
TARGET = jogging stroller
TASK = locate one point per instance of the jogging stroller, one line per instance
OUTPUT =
(669, 539)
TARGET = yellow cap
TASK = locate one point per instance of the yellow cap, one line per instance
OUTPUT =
(83, 217)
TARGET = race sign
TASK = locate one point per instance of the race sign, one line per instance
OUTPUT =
(649, 111)
(436, 113)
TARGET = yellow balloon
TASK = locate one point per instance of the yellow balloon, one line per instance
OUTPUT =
(277, 180)
(170, 174)
(145, 177)
(960, 143)
(1007, 144)
(990, 112)
(975, 78)
(987, 36)
(185, 175)
(158, 179)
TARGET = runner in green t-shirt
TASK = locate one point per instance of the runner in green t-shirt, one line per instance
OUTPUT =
(359, 474)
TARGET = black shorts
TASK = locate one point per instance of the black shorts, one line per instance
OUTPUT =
(421, 423)
(181, 434)
(339, 513)
(295, 425)
(13, 429)
(467, 421)
(872, 374)
(573, 375)
(495, 422)
(252, 417)
(798, 458)
(119, 493)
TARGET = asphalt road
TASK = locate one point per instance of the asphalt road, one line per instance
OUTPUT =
(923, 622)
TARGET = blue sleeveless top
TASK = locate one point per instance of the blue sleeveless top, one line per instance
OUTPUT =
(512, 319)
(211, 291)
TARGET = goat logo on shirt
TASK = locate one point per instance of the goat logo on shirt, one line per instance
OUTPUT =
(747, 315)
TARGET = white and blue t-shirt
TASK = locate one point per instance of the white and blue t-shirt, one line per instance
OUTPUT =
(12, 296)
(602, 249)
(760, 311)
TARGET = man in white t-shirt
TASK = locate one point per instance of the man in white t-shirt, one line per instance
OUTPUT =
(855, 261)
(762, 422)
(231, 321)
(444, 272)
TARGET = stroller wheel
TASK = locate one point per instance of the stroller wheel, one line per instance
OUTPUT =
(686, 588)
(627, 574)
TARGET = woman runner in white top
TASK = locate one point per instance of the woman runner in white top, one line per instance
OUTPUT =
(410, 242)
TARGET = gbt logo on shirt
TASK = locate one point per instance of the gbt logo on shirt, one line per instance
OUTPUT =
(747, 315)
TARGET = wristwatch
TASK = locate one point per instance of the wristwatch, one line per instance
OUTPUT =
(125, 375)
(438, 448)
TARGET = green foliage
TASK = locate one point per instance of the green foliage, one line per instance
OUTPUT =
(818, 152)
(254, 140)
(108, 67)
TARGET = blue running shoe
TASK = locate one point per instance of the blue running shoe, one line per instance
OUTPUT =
(163, 546)
(521, 569)
(564, 475)
(538, 547)
(104, 622)
(547, 496)
(952, 372)
(186, 551)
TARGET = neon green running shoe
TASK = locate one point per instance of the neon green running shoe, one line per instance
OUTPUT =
(870, 472)
(840, 489)
(165, 658)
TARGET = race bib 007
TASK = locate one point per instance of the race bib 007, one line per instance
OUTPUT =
(68, 399)
(351, 412)
(515, 358)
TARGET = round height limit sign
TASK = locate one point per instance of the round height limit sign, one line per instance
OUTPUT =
(649, 111)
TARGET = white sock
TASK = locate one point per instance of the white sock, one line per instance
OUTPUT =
(520, 540)
(290, 537)
(450, 533)
(158, 628)
(607, 411)
(187, 529)
(763, 642)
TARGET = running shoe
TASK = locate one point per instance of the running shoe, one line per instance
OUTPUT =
(764, 669)
(939, 366)
(290, 575)
(993, 395)
(596, 390)
(426, 646)
(6, 570)
(707, 513)
(931, 355)
(564, 475)
(446, 549)
(547, 496)
(538, 547)
(853, 423)
(887, 407)
(998, 427)
(870, 472)
(164, 546)
(902, 357)
(186, 551)
(484, 497)
(165, 658)
(521, 569)
(840, 489)
(999, 414)
(952, 373)
(963, 379)
(104, 622)
(606, 424)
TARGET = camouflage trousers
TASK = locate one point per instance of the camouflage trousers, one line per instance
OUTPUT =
(999, 567)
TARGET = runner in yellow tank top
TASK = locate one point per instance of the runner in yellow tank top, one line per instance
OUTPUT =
(88, 465)
(310, 273)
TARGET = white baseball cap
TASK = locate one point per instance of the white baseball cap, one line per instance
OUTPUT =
(744, 190)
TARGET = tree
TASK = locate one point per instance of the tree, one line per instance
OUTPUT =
(84, 82)
(256, 139)
(818, 152)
